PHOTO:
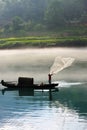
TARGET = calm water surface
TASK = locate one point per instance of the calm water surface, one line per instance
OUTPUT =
(67, 110)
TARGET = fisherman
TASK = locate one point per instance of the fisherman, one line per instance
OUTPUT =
(49, 78)
(41, 84)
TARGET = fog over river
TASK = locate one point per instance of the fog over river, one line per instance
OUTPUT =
(37, 62)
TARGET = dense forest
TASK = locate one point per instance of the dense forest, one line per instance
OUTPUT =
(32, 15)
(61, 22)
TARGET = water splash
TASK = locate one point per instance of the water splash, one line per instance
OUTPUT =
(65, 84)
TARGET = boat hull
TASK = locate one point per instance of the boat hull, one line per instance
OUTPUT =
(28, 89)
(12, 86)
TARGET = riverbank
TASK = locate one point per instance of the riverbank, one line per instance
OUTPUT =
(42, 41)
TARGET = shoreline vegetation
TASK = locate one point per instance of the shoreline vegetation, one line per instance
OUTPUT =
(63, 37)
(42, 42)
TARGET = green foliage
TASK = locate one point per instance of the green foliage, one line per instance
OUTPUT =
(28, 25)
(17, 23)
(55, 14)
(30, 15)
(39, 27)
(83, 18)
(47, 41)
(64, 21)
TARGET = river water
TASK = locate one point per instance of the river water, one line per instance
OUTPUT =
(68, 108)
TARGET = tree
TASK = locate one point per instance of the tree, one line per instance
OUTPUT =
(55, 14)
(17, 22)
(73, 9)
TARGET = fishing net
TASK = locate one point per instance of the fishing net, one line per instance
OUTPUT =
(60, 63)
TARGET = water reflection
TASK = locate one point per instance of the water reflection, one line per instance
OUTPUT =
(74, 97)
(42, 116)
(67, 110)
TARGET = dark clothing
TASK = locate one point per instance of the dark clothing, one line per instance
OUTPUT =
(49, 78)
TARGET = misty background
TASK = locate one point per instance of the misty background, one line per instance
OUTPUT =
(37, 63)
(31, 15)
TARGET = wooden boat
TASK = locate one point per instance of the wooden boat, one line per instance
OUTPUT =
(24, 82)
(12, 86)
(26, 87)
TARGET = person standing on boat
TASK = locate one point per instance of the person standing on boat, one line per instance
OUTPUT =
(49, 78)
